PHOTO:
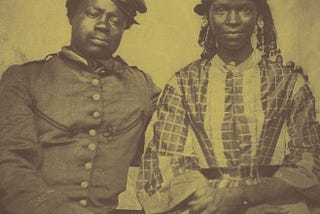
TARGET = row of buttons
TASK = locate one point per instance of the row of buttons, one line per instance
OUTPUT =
(93, 132)
(92, 147)
(96, 97)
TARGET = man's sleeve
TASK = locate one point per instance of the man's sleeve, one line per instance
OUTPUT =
(153, 93)
(22, 190)
(169, 173)
(301, 167)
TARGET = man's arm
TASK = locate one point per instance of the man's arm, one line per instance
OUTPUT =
(22, 189)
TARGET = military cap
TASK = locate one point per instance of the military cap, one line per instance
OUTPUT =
(131, 7)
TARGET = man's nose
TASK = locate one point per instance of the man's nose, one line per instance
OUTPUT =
(233, 18)
(103, 25)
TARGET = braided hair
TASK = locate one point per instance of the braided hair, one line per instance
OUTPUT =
(266, 36)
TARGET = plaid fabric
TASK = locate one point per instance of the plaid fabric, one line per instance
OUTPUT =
(235, 131)
(175, 114)
(185, 106)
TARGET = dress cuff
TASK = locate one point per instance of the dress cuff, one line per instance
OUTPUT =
(298, 177)
(178, 190)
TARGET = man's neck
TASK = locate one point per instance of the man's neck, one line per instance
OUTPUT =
(88, 56)
(237, 56)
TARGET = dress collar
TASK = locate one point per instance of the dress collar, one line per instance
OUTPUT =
(250, 62)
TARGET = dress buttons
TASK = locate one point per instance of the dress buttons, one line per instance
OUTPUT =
(88, 165)
(92, 132)
(83, 202)
(92, 147)
(84, 184)
(96, 97)
(95, 82)
(96, 114)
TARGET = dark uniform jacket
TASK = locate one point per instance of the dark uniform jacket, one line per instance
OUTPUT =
(69, 131)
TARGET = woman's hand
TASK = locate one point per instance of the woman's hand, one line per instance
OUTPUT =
(208, 200)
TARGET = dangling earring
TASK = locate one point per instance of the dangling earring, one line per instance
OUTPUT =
(205, 27)
(260, 34)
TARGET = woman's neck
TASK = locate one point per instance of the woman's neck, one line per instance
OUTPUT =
(236, 55)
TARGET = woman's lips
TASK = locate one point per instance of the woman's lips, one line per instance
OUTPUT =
(232, 35)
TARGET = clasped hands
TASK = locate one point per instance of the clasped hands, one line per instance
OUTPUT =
(209, 200)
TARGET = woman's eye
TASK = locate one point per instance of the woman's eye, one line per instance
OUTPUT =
(220, 10)
(246, 10)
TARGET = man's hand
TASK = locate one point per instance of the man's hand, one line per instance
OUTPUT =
(203, 201)
(208, 200)
(70, 208)
(266, 209)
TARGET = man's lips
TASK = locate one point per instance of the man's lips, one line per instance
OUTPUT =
(99, 41)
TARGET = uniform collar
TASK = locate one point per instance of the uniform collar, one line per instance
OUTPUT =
(115, 64)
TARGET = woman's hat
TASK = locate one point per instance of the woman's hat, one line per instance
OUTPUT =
(202, 8)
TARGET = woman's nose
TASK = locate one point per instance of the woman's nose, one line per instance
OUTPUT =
(233, 18)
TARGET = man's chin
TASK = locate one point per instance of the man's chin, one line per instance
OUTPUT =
(98, 53)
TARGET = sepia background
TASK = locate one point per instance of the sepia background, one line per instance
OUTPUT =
(165, 41)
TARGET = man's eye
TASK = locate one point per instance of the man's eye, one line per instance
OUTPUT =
(115, 21)
(93, 13)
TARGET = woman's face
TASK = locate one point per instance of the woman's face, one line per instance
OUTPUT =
(233, 22)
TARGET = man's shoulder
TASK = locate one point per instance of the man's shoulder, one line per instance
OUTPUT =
(134, 70)
(29, 67)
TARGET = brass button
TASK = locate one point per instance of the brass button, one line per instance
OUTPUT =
(108, 135)
(92, 132)
(92, 147)
(88, 165)
(95, 82)
(84, 184)
(96, 97)
(83, 202)
(96, 114)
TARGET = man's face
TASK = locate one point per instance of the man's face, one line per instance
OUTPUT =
(97, 29)
(233, 22)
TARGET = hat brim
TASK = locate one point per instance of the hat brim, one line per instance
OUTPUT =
(200, 9)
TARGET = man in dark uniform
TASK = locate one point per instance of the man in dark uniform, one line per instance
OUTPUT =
(70, 125)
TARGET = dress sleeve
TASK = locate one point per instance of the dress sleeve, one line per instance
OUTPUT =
(301, 167)
(22, 189)
(169, 171)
